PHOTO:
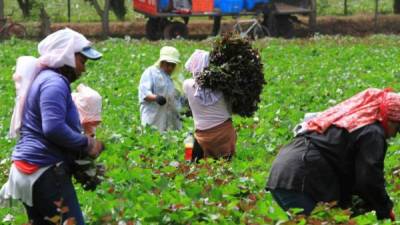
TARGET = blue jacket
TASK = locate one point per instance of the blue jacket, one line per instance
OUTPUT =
(51, 131)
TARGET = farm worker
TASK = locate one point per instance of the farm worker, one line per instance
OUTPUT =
(340, 156)
(158, 97)
(47, 125)
(88, 103)
(214, 133)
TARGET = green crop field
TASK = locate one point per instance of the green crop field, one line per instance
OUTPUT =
(84, 12)
(148, 181)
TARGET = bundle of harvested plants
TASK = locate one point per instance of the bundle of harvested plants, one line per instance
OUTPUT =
(237, 71)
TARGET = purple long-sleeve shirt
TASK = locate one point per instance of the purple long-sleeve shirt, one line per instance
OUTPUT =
(51, 130)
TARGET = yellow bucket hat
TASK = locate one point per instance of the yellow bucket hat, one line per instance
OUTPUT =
(169, 54)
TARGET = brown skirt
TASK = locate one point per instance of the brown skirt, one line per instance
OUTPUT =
(219, 141)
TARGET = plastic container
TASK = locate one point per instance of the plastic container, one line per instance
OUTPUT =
(217, 3)
(188, 142)
(145, 6)
(231, 6)
(163, 5)
(251, 4)
(201, 6)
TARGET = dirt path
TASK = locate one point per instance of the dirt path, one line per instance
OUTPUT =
(351, 25)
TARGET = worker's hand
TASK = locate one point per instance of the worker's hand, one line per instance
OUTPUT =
(392, 216)
(95, 147)
(161, 100)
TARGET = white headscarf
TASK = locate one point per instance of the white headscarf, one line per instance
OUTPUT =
(88, 102)
(196, 64)
(56, 50)
(59, 48)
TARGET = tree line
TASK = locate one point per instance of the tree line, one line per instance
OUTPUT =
(118, 7)
(26, 6)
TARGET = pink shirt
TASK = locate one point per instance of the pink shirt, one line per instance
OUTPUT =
(205, 117)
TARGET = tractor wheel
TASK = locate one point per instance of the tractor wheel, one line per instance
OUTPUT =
(176, 30)
(284, 27)
(154, 29)
(396, 7)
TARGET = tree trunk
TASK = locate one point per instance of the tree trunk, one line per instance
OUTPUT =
(1, 9)
(312, 17)
(105, 21)
(25, 6)
(104, 15)
(346, 9)
(119, 9)
(396, 6)
(69, 10)
(376, 14)
(44, 22)
(216, 25)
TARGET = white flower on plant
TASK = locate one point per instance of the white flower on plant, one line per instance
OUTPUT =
(4, 161)
(243, 179)
(207, 202)
(134, 163)
(8, 218)
(214, 216)
(166, 218)
(127, 38)
(174, 164)
(117, 137)
(332, 101)
(246, 180)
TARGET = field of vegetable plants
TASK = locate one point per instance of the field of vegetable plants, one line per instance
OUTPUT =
(148, 181)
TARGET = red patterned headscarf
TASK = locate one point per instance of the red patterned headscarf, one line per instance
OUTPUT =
(360, 110)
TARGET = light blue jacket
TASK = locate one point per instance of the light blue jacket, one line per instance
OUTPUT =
(155, 81)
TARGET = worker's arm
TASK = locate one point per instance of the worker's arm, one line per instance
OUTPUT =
(156, 98)
(369, 172)
(146, 90)
(146, 87)
(53, 108)
(151, 98)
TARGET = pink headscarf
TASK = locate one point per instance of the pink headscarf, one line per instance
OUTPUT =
(88, 102)
(360, 110)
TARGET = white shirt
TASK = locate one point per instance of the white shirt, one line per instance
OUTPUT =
(20, 186)
(205, 117)
(157, 82)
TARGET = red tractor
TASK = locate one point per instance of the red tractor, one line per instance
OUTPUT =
(278, 16)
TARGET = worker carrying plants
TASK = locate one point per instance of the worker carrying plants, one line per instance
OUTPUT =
(340, 156)
(46, 123)
(227, 81)
(215, 135)
(159, 100)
